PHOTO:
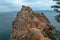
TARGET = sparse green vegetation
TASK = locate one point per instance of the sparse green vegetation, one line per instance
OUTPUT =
(59, 16)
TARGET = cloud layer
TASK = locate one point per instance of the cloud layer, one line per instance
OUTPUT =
(15, 5)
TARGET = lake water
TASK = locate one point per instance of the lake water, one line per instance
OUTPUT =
(6, 19)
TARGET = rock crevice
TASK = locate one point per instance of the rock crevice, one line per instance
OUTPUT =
(29, 25)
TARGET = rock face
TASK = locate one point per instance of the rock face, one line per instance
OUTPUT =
(29, 25)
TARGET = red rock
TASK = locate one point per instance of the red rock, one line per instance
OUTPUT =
(30, 25)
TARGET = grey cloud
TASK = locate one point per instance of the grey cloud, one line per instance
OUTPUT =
(30, 0)
(5, 5)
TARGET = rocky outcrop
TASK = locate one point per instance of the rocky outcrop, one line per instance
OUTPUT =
(29, 25)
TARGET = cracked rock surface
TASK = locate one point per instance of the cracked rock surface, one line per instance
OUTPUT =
(30, 25)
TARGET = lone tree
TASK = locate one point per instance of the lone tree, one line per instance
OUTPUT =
(57, 9)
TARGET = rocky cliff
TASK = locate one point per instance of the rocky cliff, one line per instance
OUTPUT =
(30, 25)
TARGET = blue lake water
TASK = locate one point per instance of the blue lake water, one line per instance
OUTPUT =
(6, 19)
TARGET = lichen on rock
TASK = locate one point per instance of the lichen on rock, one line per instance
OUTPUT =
(29, 25)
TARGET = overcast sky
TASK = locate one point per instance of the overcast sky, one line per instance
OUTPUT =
(15, 5)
